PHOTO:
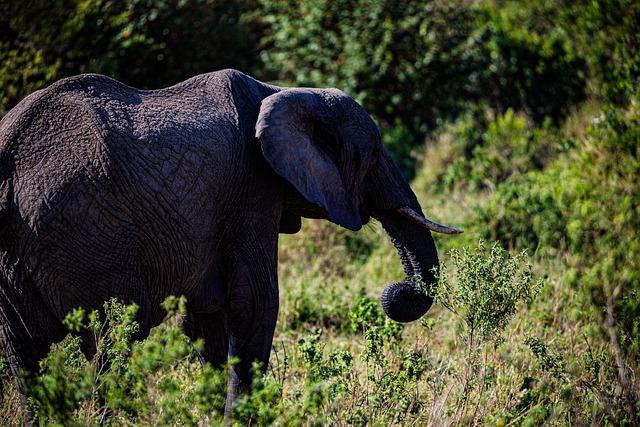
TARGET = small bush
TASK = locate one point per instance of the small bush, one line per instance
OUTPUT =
(488, 288)
(158, 381)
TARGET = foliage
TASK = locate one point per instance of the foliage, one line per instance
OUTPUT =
(309, 305)
(486, 292)
(403, 61)
(488, 289)
(512, 154)
(529, 68)
(510, 146)
(144, 43)
(603, 34)
(364, 46)
(587, 207)
(156, 381)
(414, 64)
(159, 380)
(610, 37)
(23, 72)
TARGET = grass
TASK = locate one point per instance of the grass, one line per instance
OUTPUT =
(550, 357)
(336, 359)
(323, 372)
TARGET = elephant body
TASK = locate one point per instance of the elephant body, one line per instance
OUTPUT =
(109, 191)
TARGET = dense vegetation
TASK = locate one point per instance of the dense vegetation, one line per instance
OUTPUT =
(517, 121)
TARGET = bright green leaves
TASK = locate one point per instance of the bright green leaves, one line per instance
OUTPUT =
(158, 381)
(488, 290)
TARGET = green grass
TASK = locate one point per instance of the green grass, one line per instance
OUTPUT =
(497, 347)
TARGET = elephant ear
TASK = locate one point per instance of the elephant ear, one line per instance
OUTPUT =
(288, 127)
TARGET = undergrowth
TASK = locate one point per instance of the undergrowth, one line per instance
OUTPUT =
(375, 375)
(488, 352)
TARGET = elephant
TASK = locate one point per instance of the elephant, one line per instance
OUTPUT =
(107, 191)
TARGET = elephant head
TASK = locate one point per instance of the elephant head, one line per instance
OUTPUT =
(329, 149)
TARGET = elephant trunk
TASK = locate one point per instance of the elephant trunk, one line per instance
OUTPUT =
(409, 231)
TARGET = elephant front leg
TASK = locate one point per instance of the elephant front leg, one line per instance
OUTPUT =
(212, 327)
(249, 343)
(252, 311)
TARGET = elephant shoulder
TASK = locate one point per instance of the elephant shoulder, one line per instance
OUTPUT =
(225, 77)
(235, 83)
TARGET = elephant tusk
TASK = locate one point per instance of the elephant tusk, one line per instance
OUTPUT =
(426, 223)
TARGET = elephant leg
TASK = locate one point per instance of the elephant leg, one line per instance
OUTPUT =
(212, 328)
(252, 309)
(24, 363)
(21, 350)
(249, 342)
(27, 328)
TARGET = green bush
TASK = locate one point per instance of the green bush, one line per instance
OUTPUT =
(146, 44)
(608, 33)
(489, 286)
(485, 291)
(22, 72)
(401, 60)
(317, 290)
(375, 377)
(533, 69)
(528, 211)
(405, 62)
(585, 206)
(158, 381)
(510, 146)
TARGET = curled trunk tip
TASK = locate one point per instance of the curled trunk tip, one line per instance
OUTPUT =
(404, 302)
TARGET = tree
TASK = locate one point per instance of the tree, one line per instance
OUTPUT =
(144, 43)
(415, 64)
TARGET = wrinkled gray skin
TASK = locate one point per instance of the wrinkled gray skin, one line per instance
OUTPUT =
(109, 191)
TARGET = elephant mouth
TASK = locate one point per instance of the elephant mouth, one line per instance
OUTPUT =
(365, 216)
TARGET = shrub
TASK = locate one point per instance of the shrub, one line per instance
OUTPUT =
(158, 381)
(585, 206)
(528, 211)
(533, 69)
(510, 146)
(607, 30)
(146, 44)
(487, 290)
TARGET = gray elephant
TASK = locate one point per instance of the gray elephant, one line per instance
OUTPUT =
(109, 191)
